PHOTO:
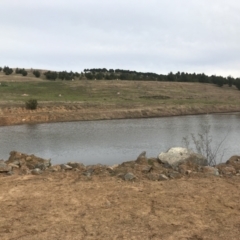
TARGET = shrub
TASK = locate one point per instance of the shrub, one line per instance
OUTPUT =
(36, 73)
(31, 104)
(7, 70)
(204, 146)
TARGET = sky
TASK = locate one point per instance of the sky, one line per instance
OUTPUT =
(157, 36)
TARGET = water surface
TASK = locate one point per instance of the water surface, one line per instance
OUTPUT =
(115, 141)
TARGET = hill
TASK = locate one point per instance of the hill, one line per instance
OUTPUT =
(63, 100)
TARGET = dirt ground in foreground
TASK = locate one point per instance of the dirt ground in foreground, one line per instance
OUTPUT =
(63, 205)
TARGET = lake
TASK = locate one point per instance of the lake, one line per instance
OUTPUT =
(114, 141)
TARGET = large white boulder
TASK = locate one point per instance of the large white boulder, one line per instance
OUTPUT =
(177, 155)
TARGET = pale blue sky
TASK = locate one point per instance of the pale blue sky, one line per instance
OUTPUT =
(143, 35)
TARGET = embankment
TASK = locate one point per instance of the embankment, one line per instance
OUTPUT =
(13, 115)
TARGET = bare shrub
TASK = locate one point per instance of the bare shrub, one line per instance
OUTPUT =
(203, 144)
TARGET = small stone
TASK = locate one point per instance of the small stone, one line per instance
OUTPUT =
(129, 176)
(167, 165)
(226, 169)
(36, 171)
(210, 170)
(54, 168)
(142, 159)
(13, 165)
(10, 173)
(153, 176)
(74, 164)
(146, 169)
(87, 174)
(41, 166)
(162, 177)
(5, 167)
(174, 175)
(65, 167)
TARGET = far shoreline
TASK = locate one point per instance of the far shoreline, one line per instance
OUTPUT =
(16, 115)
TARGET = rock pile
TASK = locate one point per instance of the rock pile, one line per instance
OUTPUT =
(173, 164)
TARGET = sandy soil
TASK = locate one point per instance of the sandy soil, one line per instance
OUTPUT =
(65, 205)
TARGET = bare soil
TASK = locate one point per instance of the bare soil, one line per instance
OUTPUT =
(63, 205)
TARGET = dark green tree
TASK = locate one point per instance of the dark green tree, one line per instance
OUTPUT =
(36, 73)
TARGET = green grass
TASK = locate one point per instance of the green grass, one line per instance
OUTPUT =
(119, 93)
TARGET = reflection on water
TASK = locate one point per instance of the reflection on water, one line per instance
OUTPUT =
(115, 141)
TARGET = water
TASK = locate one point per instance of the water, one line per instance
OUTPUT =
(115, 141)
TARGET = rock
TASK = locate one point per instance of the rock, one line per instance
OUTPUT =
(167, 165)
(112, 168)
(89, 171)
(65, 167)
(162, 177)
(41, 166)
(153, 176)
(146, 169)
(13, 165)
(73, 164)
(142, 159)
(178, 155)
(174, 175)
(10, 173)
(31, 161)
(235, 162)
(54, 168)
(36, 171)
(226, 169)
(87, 174)
(25, 170)
(129, 176)
(210, 170)
(4, 167)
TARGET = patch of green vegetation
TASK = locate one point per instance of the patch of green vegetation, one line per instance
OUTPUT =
(3, 84)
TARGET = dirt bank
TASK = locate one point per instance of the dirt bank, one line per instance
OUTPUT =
(62, 206)
(66, 112)
(99, 202)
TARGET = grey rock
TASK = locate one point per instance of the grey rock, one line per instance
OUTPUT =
(142, 159)
(10, 173)
(162, 177)
(129, 176)
(210, 170)
(89, 171)
(31, 161)
(178, 155)
(54, 168)
(13, 165)
(4, 167)
(65, 167)
(142, 155)
(41, 166)
(146, 169)
(36, 171)
(153, 176)
(75, 164)
(88, 174)
(167, 165)
(174, 175)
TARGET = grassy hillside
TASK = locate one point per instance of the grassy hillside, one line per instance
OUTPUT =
(17, 89)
